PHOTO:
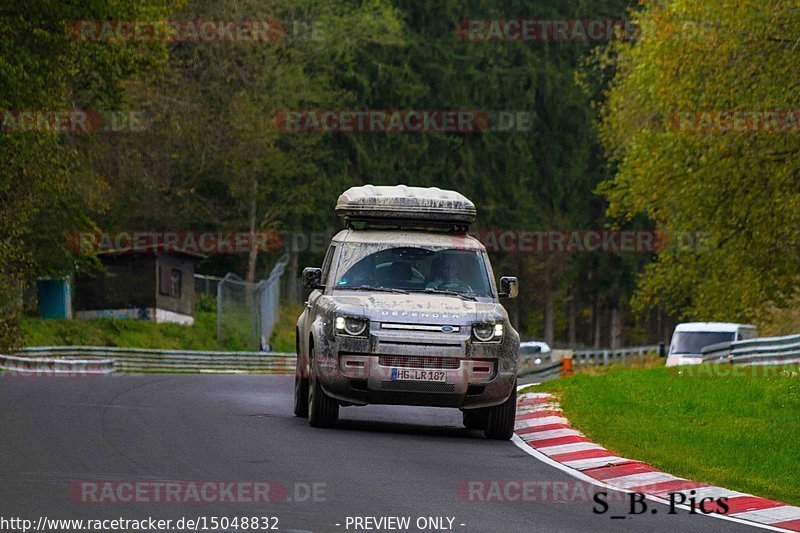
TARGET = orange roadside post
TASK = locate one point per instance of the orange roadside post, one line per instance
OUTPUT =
(566, 364)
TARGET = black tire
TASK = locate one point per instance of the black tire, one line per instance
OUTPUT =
(323, 411)
(500, 423)
(475, 418)
(300, 392)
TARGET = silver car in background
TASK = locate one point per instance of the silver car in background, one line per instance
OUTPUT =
(535, 354)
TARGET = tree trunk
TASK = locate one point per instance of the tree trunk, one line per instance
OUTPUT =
(660, 336)
(252, 257)
(291, 281)
(571, 319)
(597, 323)
(616, 328)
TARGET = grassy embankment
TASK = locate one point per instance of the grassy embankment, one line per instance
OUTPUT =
(146, 334)
(740, 431)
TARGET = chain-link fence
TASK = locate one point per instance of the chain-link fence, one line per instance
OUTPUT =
(248, 311)
(206, 286)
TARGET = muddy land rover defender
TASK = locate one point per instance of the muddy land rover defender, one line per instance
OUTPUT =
(405, 311)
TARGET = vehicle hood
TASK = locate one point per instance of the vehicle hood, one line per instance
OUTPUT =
(417, 308)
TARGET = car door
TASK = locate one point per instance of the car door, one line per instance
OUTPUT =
(311, 303)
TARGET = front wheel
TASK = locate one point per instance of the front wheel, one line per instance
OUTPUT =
(300, 392)
(323, 411)
(500, 423)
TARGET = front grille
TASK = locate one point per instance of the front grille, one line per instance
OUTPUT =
(419, 361)
(417, 386)
(445, 328)
(422, 345)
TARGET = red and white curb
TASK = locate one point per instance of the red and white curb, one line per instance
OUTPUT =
(543, 431)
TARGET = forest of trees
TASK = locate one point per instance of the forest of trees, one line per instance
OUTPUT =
(603, 151)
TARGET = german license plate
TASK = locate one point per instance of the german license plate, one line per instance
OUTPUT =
(413, 374)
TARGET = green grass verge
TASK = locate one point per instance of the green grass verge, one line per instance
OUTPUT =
(652, 361)
(741, 432)
(132, 333)
(283, 333)
(145, 334)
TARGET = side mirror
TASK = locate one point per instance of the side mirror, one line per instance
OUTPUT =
(312, 277)
(509, 287)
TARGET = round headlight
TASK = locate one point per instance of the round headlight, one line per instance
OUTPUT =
(483, 332)
(351, 326)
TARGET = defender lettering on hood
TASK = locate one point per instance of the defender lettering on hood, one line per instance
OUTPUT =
(420, 315)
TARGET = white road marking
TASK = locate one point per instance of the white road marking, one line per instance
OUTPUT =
(544, 421)
(567, 448)
(772, 516)
(595, 462)
(638, 480)
(551, 434)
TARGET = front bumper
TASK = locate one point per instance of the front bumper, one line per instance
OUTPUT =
(360, 371)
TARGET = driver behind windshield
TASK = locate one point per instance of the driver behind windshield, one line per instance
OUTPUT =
(444, 276)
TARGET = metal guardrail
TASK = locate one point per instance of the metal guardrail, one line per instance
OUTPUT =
(582, 358)
(553, 367)
(543, 372)
(608, 356)
(153, 360)
(761, 351)
(49, 365)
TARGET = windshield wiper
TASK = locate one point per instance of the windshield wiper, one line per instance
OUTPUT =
(463, 295)
(371, 288)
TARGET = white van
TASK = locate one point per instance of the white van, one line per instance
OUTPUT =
(690, 338)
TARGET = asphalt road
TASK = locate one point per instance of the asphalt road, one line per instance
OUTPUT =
(63, 433)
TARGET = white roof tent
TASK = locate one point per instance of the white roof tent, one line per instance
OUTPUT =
(406, 207)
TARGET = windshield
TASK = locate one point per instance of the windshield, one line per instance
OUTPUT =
(692, 342)
(414, 269)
